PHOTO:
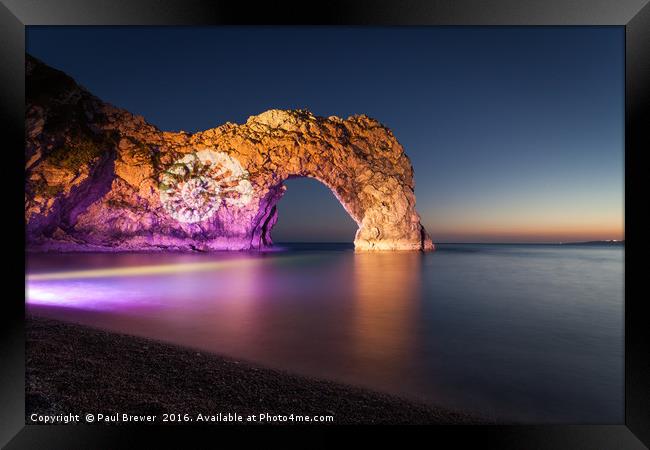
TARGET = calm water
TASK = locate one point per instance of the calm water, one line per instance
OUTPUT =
(518, 332)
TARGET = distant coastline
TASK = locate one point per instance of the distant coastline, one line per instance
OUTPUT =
(324, 246)
(606, 243)
(610, 242)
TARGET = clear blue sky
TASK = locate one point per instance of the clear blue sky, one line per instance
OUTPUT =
(516, 134)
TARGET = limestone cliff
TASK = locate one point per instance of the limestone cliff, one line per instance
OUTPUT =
(99, 178)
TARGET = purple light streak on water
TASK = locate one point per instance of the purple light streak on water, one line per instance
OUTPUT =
(96, 295)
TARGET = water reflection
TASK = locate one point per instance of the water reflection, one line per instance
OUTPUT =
(387, 304)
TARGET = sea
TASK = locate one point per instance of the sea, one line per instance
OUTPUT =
(511, 332)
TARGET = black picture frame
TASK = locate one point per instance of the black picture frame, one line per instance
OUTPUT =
(634, 15)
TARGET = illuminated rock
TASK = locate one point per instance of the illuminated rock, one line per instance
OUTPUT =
(100, 178)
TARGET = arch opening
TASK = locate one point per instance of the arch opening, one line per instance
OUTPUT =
(308, 211)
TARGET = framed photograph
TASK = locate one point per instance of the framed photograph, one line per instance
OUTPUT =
(242, 217)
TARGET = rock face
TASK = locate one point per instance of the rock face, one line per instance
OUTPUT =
(101, 179)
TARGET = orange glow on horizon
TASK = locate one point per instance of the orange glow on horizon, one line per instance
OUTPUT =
(529, 234)
(529, 228)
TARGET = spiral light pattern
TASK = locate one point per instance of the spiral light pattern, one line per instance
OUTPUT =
(196, 186)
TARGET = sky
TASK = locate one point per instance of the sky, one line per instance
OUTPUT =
(516, 134)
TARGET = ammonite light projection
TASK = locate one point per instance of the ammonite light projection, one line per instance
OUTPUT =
(195, 186)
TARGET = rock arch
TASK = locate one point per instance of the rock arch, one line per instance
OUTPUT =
(358, 159)
(106, 154)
